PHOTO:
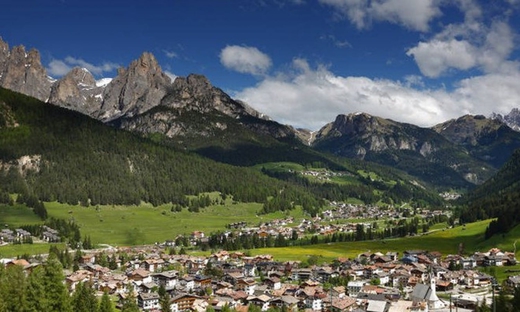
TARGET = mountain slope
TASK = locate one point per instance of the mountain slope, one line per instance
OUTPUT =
(419, 151)
(489, 140)
(499, 197)
(57, 154)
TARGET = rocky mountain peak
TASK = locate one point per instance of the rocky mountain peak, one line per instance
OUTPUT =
(512, 119)
(468, 129)
(78, 91)
(135, 90)
(23, 72)
(195, 92)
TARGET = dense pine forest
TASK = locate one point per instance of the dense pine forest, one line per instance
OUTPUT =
(54, 154)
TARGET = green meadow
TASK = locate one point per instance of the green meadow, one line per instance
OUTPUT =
(145, 224)
(447, 241)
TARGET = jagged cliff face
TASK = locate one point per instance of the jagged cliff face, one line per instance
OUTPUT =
(194, 107)
(140, 98)
(77, 91)
(487, 139)
(135, 90)
(512, 119)
(22, 72)
(362, 133)
(422, 152)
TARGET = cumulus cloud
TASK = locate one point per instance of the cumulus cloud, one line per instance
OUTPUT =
(413, 14)
(243, 59)
(59, 68)
(487, 48)
(312, 97)
(436, 57)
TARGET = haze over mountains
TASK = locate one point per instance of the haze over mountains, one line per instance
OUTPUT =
(191, 113)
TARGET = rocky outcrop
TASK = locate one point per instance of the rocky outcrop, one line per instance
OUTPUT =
(77, 91)
(374, 134)
(23, 72)
(512, 119)
(194, 107)
(135, 90)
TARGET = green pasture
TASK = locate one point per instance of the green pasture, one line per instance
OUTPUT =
(446, 242)
(9, 251)
(17, 215)
(145, 224)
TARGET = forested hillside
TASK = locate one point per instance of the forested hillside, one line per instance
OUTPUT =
(55, 154)
(61, 155)
(498, 198)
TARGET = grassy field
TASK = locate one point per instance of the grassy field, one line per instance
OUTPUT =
(145, 224)
(9, 251)
(446, 242)
(17, 215)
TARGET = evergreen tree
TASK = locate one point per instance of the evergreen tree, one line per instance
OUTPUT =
(164, 299)
(130, 302)
(105, 305)
(84, 299)
(35, 292)
(57, 295)
(13, 288)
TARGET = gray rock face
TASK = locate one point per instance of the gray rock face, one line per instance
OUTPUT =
(135, 90)
(195, 92)
(512, 119)
(78, 91)
(197, 97)
(23, 72)
(372, 134)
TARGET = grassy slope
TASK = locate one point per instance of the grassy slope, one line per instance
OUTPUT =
(446, 242)
(145, 224)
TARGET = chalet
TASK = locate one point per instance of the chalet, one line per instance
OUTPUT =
(354, 287)
(301, 274)
(182, 302)
(513, 281)
(290, 302)
(148, 301)
(187, 283)
(168, 279)
(80, 276)
(247, 285)
(262, 301)
(140, 275)
(273, 283)
(201, 281)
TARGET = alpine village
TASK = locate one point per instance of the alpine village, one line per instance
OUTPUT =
(141, 193)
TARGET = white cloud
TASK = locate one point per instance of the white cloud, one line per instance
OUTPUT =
(59, 68)
(311, 98)
(170, 54)
(243, 59)
(171, 75)
(487, 48)
(436, 57)
(413, 14)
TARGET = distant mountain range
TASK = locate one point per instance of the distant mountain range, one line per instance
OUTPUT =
(191, 114)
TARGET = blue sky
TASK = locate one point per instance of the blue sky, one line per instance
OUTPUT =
(302, 62)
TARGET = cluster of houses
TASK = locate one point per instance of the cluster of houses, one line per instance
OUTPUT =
(374, 282)
(13, 236)
(8, 236)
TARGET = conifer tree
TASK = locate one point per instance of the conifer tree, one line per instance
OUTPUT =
(164, 299)
(57, 295)
(84, 299)
(130, 303)
(35, 291)
(105, 305)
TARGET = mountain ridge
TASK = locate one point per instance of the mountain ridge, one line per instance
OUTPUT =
(193, 114)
